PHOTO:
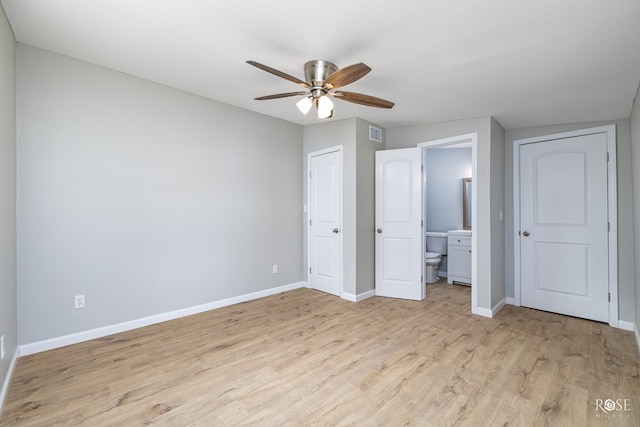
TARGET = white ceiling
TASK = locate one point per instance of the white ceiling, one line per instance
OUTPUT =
(524, 62)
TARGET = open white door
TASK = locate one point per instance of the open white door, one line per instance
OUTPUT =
(399, 252)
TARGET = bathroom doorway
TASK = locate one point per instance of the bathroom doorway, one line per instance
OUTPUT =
(438, 218)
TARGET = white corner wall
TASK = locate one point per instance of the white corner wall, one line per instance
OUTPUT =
(145, 199)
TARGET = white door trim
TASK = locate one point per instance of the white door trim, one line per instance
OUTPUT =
(612, 201)
(340, 150)
(471, 138)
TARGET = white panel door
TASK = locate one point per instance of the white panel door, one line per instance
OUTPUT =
(564, 226)
(399, 252)
(325, 242)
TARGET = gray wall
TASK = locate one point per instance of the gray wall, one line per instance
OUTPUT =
(358, 196)
(8, 316)
(490, 261)
(445, 168)
(497, 212)
(318, 137)
(626, 269)
(144, 198)
(635, 164)
(365, 205)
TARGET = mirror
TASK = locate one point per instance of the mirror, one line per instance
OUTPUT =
(466, 203)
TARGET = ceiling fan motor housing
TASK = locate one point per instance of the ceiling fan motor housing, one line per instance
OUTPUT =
(316, 72)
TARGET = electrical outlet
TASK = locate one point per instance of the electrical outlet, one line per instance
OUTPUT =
(79, 301)
(275, 269)
(2, 347)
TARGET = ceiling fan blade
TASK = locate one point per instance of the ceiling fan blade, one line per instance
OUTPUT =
(368, 100)
(278, 73)
(347, 75)
(280, 95)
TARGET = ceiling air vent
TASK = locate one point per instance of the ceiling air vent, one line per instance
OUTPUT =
(375, 134)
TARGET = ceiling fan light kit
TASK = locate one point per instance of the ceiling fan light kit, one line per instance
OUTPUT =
(325, 107)
(322, 77)
(304, 105)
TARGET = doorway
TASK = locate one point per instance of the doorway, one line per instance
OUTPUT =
(399, 260)
(447, 202)
(471, 141)
(565, 228)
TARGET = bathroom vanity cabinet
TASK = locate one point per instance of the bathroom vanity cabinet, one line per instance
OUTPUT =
(459, 254)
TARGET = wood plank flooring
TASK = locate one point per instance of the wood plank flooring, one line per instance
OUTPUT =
(305, 358)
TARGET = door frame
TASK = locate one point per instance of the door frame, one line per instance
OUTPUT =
(612, 209)
(340, 150)
(451, 141)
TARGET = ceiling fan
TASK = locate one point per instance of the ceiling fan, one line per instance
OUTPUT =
(322, 78)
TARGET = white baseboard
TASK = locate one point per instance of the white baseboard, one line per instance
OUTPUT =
(496, 308)
(7, 379)
(510, 301)
(104, 331)
(349, 297)
(491, 313)
(485, 312)
(627, 326)
(630, 326)
(358, 297)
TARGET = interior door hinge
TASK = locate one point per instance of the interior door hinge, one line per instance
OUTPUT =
(309, 270)
(607, 156)
(609, 296)
(609, 226)
(422, 223)
(309, 222)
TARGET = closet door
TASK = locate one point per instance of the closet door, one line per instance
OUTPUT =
(564, 226)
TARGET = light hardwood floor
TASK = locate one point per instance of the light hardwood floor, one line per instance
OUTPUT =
(307, 358)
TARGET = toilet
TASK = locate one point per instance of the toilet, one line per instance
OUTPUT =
(436, 247)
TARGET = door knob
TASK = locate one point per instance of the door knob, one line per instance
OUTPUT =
(379, 230)
(526, 234)
(335, 230)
